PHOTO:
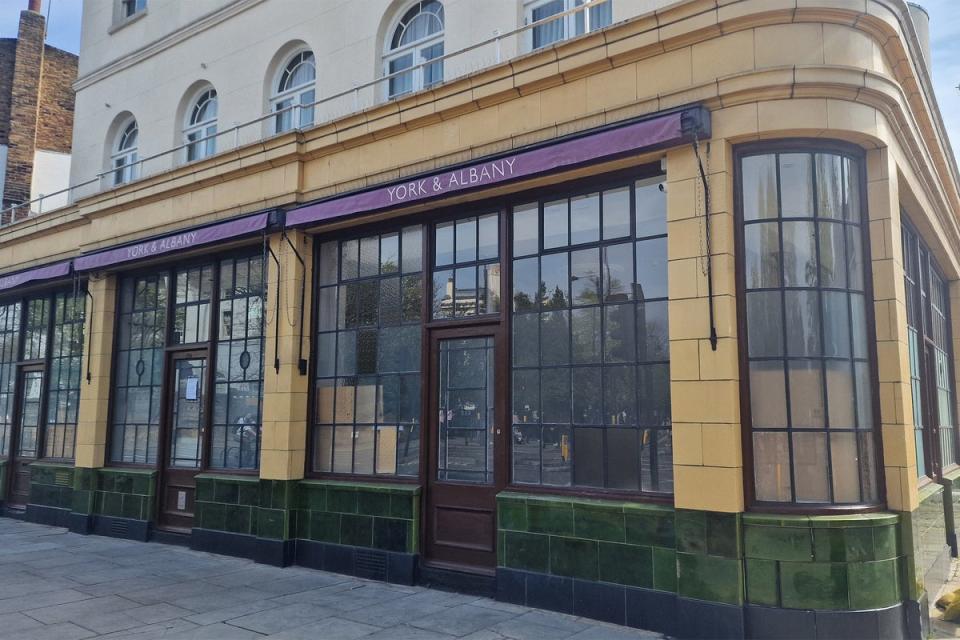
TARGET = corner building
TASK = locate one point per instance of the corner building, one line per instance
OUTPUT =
(640, 311)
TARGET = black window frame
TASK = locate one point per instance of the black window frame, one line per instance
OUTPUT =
(858, 156)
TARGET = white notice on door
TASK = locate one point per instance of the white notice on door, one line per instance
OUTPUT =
(193, 387)
(181, 500)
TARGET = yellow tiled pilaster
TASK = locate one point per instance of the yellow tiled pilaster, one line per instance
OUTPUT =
(704, 384)
(284, 442)
(95, 392)
(893, 364)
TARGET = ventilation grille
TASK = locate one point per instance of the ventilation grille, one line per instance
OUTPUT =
(371, 565)
(62, 478)
(119, 528)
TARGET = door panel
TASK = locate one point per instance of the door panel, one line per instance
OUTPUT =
(186, 426)
(461, 492)
(26, 435)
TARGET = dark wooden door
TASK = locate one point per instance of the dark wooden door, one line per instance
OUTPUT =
(465, 445)
(26, 433)
(185, 428)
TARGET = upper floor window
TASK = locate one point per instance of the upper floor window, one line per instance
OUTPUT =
(807, 360)
(129, 8)
(417, 39)
(124, 158)
(597, 16)
(200, 128)
(295, 93)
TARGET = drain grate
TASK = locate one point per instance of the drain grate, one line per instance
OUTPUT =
(119, 528)
(62, 478)
(371, 564)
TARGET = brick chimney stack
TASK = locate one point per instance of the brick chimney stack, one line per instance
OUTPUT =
(25, 103)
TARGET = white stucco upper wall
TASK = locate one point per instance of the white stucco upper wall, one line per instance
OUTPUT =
(146, 66)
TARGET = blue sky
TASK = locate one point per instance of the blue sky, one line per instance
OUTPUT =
(64, 32)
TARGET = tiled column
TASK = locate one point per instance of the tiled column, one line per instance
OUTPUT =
(893, 363)
(284, 445)
(708, 463)
(95, 392)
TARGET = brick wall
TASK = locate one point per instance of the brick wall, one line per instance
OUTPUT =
(36, 102)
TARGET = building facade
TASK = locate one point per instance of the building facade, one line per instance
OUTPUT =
(640, 311)
(36, 117)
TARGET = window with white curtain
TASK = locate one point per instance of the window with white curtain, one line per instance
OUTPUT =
(415, 40)
(200, 128)
(597, 16)
(295, 93)
(124, 159)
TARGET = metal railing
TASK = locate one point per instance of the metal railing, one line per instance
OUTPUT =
(456, 64)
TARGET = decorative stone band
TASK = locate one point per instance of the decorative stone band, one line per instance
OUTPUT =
(180, 241)
(664, 130)
(48, 272)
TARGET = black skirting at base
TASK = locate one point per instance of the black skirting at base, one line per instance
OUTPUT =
(388, 566)
(126, 528)
(681, 617)
(277, 553)
(52, 516)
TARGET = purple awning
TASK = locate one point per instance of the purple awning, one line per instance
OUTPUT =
(655, 132)
(56, 270)
(171, 243)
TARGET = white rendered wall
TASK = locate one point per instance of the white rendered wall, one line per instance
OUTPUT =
(51, 173)
(146, 66)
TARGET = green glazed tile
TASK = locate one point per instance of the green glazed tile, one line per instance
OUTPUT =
(316, 499)
(711, 578)
(761, 578)
(142, 485)
(723, 534)
(356, 530)
(813, 585)
(123, 484)
(373, 504)
(573, 557)
(885, 542)
(342, 500)
(547, 517)
(859, 543)
(204, 490)
(131, 506)
(324, 526)
(829, 545)
(213, 516)
(105, 481)
(649, 529)
(691, 531)
(225, 492)
(873, 585)
(526, 551)
(237, 519)
(512, 514)
(625, 564)
(390, 534)
(778, 543)
(112, 504)
(501, 548)
(664, 569)
(598, 524)
(402, 505)
(271, 523)
(249, 495)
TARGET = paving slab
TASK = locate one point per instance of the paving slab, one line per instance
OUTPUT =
(58, 585)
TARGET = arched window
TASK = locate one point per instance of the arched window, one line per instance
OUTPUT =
(416, 39)
(124, 158)
(200, 128)
(295, 93)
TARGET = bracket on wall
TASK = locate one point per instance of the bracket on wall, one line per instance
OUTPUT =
(276, 327)
(709, 242)
(301, 361)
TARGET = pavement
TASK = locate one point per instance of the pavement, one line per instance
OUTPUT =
(59, 585)
(938, 627)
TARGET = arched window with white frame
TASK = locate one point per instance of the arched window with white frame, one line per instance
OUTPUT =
(295, 92)
(200, 127)
(416, 39)
(124, 158)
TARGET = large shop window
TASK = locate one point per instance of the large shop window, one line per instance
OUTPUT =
(367, 401)
(26, 327)
(232, 290)
(811, 384)
(591, 363)
(931, 355)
